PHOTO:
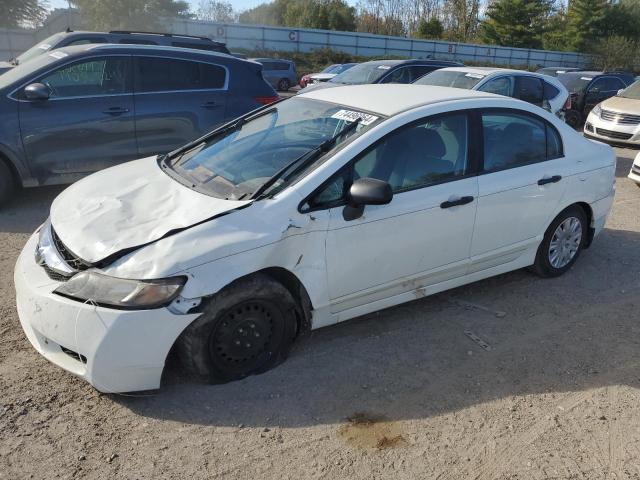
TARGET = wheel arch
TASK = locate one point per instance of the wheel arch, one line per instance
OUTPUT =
(588, 211)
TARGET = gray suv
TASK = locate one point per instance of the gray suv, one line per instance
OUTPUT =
(70, 38)
(281, 74)
(79, 109)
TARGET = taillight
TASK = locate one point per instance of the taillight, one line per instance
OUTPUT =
(567, 104)
(266, 100)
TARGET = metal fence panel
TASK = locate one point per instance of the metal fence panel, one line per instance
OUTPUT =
(258, 37)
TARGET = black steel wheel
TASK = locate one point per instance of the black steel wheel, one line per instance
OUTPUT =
(245, 329)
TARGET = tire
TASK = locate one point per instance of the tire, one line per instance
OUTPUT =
(245, 329)
(562, 243)
(284, 85)
(573, 118)
(7, 183)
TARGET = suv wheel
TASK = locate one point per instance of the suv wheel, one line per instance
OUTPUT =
(7, 182)
(284, 85)
(573, 118)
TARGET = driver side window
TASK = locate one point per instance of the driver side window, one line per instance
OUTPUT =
(95, 77)
(415, 156)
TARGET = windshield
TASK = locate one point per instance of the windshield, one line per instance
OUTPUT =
(361, 74)
(40, 48)
(330, 68)
(234, 165)
(632, 91)
(24, 69)
(575, 83)
(444, 78)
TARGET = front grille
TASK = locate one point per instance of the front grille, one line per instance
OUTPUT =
(620, 118)
(54, 275)
(72, 260)
(612, 134)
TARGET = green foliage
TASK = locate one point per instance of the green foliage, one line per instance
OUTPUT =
(516, 23)
(20, 13)
(129, 14)
(617, 53)
(585, 19)
(215, 11)
(431, 28)
(323, 14)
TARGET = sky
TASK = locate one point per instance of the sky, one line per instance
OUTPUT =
(237, 4)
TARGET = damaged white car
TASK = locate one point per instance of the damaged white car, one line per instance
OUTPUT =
(305, 213)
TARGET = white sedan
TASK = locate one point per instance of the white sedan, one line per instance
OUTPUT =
(541, 90)
(634, 174)
(306, 213)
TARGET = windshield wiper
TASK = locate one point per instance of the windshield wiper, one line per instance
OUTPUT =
(304, 160)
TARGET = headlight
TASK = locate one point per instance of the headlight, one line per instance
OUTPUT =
(121, 292)
(597, 110)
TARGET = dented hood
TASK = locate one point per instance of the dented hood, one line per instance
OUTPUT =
(128, 206)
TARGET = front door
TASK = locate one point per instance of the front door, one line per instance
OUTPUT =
(424, 235)
(176, 101)
(86, 124)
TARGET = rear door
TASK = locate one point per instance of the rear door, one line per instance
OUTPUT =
(86, 124)
(176, 101)
(522, 181)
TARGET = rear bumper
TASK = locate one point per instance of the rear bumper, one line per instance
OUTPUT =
(113, 350)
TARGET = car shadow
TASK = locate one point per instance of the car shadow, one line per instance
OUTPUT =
(569, 334)
(28, 208)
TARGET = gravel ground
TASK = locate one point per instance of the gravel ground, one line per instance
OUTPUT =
(403, 393)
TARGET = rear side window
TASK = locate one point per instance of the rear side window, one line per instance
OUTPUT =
(513, 140)
(499, 86)
(529, 89)
(550, 91)
(399, 75)
(165, 74)
(280, 66)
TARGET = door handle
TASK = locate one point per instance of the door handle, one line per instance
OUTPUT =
(456, 201)
(545, 180)
(209, 105)
(115, 110)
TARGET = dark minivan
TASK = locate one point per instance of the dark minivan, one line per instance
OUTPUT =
(79, 109)
(70, 38)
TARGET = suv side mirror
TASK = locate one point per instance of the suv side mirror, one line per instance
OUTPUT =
(366, 191)
(37, 91)
(620, 91)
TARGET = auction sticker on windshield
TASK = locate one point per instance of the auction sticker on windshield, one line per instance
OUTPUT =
(351, 116)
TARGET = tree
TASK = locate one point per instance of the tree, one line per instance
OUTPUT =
(461, 19)
(617, 53)
(216, 11)
(431, 28)
(516, 23)
(585, 18)
(21, 13)
(129, 14)
(556, 34)
(324, 14)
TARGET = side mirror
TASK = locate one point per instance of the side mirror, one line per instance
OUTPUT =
(37, 91)
(620, 91)
(366, 191)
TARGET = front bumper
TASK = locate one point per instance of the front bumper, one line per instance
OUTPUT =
(611, 132)
(113, 350)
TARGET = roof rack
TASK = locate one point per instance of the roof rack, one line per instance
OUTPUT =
(180, 35)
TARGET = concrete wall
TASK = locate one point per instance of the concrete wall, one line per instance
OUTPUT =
(252, 37)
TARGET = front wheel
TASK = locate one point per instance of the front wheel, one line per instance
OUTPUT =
(245, 329)
(562, 243)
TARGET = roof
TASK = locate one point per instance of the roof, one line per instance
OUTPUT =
(483, 70)
(393, 63)
(390, 99)
(78, 49)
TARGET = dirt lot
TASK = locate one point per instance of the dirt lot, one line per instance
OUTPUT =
(404, 393)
